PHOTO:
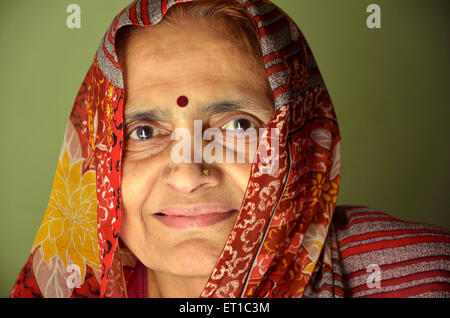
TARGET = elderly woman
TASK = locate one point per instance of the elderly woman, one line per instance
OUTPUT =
(158, 192)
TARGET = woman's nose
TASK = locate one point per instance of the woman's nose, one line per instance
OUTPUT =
(191, 173)
(190, 177)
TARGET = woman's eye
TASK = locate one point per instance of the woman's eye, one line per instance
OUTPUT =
(143, 132)
(239, 124)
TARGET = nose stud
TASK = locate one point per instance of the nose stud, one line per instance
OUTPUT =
(205, 171)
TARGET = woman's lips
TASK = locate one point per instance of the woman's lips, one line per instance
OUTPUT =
(194, 216)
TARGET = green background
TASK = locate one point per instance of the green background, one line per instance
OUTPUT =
(390, 88)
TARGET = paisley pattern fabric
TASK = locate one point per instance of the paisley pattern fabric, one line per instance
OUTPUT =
(282, 236)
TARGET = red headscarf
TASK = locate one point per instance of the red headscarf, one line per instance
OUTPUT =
(279, 238)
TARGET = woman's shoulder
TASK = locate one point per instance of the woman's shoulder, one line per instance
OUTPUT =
(367, 222)
(382, 256)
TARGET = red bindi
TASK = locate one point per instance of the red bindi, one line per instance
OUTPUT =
(182, 101)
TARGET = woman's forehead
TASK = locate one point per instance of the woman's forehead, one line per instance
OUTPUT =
(180, 44)
(164, 67)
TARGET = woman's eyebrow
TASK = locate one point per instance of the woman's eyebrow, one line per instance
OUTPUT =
(153, 115)
(222, 107)
(227, 106)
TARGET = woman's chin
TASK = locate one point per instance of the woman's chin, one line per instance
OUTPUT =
(194, 257)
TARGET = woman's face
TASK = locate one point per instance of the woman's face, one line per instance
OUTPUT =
(176, 219)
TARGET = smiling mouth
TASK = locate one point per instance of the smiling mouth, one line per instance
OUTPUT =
(194, 217)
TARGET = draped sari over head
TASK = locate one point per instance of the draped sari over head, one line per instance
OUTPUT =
(290, 238)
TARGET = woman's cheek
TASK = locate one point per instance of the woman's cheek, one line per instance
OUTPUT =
(132, 186)
(135, 190)
(240, 173)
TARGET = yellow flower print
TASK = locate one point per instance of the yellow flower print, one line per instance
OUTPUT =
(325, 191)
(330, 190)
(90, 113)
(298, 75)
(304, 75)
(317, 184)
(109, 111)
(69, 228)
(110, 91)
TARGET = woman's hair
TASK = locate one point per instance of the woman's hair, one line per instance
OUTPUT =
(228, 15)
(231, 14)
